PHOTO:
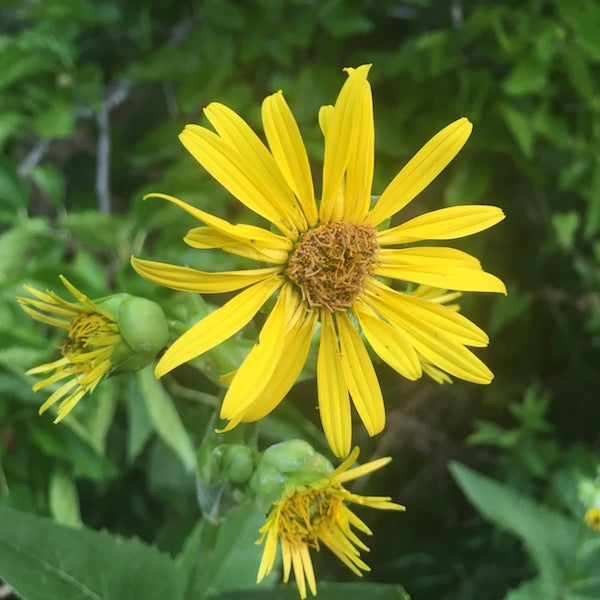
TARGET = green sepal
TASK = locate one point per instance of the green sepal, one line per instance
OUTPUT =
(143, 330)
(291, 463)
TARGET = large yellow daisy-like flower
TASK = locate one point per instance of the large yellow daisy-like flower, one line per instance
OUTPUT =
(327, 262)
(318, 513)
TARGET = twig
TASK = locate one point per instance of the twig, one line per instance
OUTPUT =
(118, 95)
(32, 159)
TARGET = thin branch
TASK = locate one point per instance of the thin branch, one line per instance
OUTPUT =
(32, 159)
(117, 96)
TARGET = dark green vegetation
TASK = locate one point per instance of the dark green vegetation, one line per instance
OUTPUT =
(92, 97)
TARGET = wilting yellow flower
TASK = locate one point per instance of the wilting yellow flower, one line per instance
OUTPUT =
(98, 341)
(92, 334)
(592, 518)
(318, 513)
(327, 262)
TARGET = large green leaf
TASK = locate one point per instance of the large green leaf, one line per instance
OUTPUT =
(326, 591)
(165, 418)
(554, 541)
(223, 556)
(45, 561)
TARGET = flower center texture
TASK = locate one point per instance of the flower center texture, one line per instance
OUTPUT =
(304, 515)
(331, 263)
(87, 331)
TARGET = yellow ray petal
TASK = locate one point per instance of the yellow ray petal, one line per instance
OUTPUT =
(192, 280)
(258, 162)
(42, 318)
(362, 470)
(341, 138)
(421, 170)
(436, 346)
(293, 356)
(325, 113)
(48, 307)
(205, 238)
(360, 376)
(334, 404)
(308, 569)
(425, 255)
(389, 343)
(359, 176)
(218, 326)
(248, 234)
(289, 152)
(232, 172)
(257, 368)
(299, 572)
(443, 224)
(417, 311)
(445, 268)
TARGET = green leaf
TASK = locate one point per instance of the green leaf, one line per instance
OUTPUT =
(165, 418)
(139, 424)
(96, 230)
(16, 243)
(51, 182)
(223, 556)
(342, 19)
(326, 591)
(42, 560)
(63, 499)
(520, 127)
(565, 226)
(13, 190)
(550, 538)
(527, 77)
(58, 121)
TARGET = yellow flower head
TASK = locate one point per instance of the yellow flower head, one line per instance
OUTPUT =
(327, 263)
(97, 342)
(92, 335)
(592, 518)
(308, 516)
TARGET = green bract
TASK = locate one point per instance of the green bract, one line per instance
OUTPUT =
(143, 330)
(286, 464)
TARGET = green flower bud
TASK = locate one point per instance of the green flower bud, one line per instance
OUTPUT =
(222, 471)
(290, 463)
(143, 330)
(237, 463)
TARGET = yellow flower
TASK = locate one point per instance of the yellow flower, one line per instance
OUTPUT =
(92, 334)
(318, 513)
(121, 332)
(327, 262)
(592, 518)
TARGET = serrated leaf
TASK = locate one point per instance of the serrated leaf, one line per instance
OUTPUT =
(42, 560)
(165, 418)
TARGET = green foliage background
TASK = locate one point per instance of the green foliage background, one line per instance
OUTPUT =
(92, 97)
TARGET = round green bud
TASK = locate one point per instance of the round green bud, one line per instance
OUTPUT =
(237, 463)
(143, 330)
(290, 463)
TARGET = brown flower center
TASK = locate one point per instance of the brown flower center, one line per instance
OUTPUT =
(331, 263)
